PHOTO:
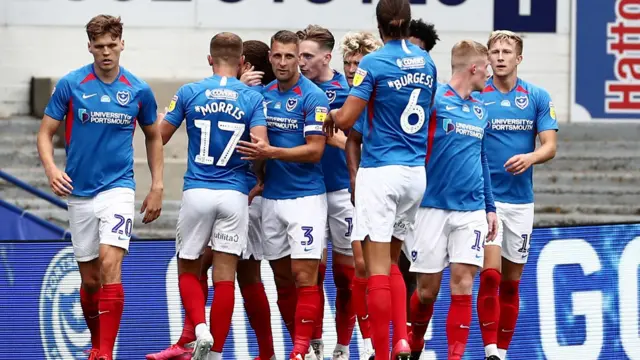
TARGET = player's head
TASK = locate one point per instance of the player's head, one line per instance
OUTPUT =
(284, 55)
(394, 18)
(105, 41)
(316, 45)
(256, 54)
(225, 50)
(423, 34)
(505, 52)
(354, 46)
(470, 59)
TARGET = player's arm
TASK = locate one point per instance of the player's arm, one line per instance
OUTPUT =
(147, 118)
(547, 127)
(54, 113)
(316, 109)
(359, 96)
(171, 120)
(353, 149)
(489, 203)
(258, 132)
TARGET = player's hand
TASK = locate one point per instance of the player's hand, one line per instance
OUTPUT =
(518, 163)
(256, 191)
(329, 126)
(152, 204)
(59, 182)
(338, 139)
(257, 149)
(161, 115)
(252, 77)
(492, 221)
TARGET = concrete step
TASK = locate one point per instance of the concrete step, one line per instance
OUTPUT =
(599, 132)
(618, 179)
(546, 220)
(588, 209)
(598, 160)
(579, 146)
(557, 199)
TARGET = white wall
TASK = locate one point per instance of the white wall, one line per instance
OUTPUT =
(158, 53)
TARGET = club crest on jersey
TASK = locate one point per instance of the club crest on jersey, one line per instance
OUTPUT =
(522, 102)
(448, 126)
(331, 95)
(478, 111)
(123, 97)
(83, 116)
(291, 104)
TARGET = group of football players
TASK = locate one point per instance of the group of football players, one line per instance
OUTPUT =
(404, 176)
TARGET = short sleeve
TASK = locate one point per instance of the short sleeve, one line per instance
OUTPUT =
(148, 107)
(176, 114)
(545, 112)
(316, 109)
(58, 105)
(259, 111)
(363, 81)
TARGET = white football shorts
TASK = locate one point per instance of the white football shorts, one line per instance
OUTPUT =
(339, 221)
(106, 218)
(294, 227)
(255, 237)
(441, 237)
(216, 217)
(387, 199)
(514, 230)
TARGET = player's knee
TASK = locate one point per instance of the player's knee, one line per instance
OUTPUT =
(490, 278)
(91, 282)
(461, 283)
(249, 272)
(110, 270)
(428, 293)
(511, 271)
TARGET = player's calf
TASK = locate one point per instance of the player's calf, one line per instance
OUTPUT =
(256, 305)
(459, 317)
(422, 302)
(488, 304)
(224, 274)
(343, 273)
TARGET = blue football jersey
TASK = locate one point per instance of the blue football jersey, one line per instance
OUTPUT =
(398, 81)
(515, 119)
(457, 170)
(291, 117)
(334, 160)
(219, 112)
(99, 126)
(252, 180)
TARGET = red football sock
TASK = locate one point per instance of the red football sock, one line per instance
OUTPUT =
(379, 306)
(192, 298)
(111, 307)
(359, 303)
(458, 323)
(91, 310)
(188, 329)
(420, 317)
(345, 316)
(306, 315)
(221, 313)
(398, 304)
(287, 300)
(256, 305)
(509, 308)
(489, 306)
(317, 332)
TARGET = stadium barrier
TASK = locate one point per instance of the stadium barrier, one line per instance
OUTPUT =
(579, 300)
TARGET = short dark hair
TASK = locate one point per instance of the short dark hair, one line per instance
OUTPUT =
(257, 54)
(104, 24)
(285, 37)
(226, 47)
(318, 34)
(426, 32)
(393, 18)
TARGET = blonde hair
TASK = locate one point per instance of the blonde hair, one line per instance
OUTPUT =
(506, 35)
(464, 51)
(359, 43)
